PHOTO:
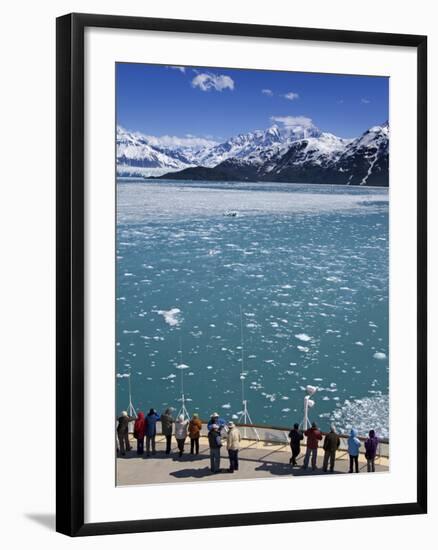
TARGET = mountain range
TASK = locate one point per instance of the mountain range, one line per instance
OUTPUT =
(300, 153)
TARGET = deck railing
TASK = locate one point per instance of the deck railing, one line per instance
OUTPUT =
(278, 435)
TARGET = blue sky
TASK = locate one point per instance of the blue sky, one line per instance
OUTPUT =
(218, 103)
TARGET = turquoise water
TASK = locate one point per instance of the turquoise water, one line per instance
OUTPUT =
(306, 264)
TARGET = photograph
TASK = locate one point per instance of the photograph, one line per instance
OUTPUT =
(252, 274)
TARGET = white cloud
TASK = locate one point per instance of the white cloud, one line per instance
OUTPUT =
(292, 121)
(365, 100)
(188, 141)
(211, 81)
(178, 68)
(291, 96)
(267, 91)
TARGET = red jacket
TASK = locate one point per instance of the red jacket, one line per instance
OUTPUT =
(140, 426)
(313, 436)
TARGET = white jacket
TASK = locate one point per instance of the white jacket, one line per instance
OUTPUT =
(181, 429)
(233, 439)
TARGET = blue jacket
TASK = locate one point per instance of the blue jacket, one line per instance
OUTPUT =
(353, 443)
(219, 422)
(151, 424)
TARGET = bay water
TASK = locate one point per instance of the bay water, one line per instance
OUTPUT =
(285, 282)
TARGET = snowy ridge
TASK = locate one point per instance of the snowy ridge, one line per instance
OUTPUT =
(297, 153)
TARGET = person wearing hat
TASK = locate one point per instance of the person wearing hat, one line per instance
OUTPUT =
(122, 432)
(215, 444)
(295, 436)
(220, 422)
(330, 445)
(181, 433)
(195, 426)
(353, 450)
(233, 446)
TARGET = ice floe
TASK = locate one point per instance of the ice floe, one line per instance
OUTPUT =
(171, 316)
(303, 337)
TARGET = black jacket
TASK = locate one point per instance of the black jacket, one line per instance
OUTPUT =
(214, 440)
(122, 427)
(295, 437)
(331, 442)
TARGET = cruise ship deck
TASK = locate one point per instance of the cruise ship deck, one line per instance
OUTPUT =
(264, 453)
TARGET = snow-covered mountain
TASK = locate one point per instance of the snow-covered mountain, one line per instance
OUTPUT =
(295, 153)
(136, 156)
(366, 158)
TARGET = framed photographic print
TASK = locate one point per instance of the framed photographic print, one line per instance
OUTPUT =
(241, 274)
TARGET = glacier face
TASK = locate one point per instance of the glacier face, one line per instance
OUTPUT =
(297, 154)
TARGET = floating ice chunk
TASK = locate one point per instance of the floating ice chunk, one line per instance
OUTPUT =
(126, 375)
(302, 348)
(363, 414)
(285, 410)
(303, 337)
(182, 366)
(379, 355)
(358, 343)
(171, 316)
(226, 406)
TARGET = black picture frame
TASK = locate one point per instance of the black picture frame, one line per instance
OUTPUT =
(70, 272)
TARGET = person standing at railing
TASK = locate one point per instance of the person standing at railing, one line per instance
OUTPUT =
(330, 445)
(220, 422)
(353, 451)
(195, 427)
(313, 437)
(166, 427)
(233, 446)
(151, 430)
(122, 432)
(215, 443)
(139, 432)
(371, 445)
(181, 433)
(295, 436)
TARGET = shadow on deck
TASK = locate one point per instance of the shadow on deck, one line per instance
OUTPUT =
(256, 460)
